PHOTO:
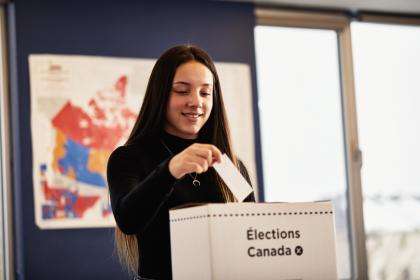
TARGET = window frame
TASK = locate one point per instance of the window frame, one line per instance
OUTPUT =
(389, 19)
(5, 163)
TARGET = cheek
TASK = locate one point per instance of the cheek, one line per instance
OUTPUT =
(209, 107)
(174, 105)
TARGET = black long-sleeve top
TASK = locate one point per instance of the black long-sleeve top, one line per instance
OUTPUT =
(143, 190)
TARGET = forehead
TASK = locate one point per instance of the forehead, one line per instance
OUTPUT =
(193, 73)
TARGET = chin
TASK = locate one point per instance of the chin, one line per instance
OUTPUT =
(191, 132)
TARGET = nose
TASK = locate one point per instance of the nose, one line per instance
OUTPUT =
(195, 99)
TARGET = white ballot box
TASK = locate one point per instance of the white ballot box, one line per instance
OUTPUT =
(253, 241)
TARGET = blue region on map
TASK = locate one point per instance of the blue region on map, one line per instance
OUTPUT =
(76, 158)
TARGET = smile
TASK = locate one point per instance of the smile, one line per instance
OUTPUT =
(192, 115)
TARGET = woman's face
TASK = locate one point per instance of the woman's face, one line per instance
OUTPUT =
(190, 100)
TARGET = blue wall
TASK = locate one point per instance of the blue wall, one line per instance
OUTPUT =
(107, 28)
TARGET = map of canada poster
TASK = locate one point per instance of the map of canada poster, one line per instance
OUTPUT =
(82, 108)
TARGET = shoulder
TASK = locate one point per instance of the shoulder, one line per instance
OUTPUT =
(128, 154)
(140, 146)
(121, 153)
(144, 153)
(119, 158)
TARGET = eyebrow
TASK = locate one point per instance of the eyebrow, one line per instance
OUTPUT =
(188, 84)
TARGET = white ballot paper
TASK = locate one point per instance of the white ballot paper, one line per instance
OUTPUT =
(233, 178)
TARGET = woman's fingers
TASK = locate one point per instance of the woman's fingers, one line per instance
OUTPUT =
(206, 154)
(196, 158)
(216, 153)
(210, 152)
(194, 167)
(199, 161)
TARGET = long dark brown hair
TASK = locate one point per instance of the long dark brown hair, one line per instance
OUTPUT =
(152, 118)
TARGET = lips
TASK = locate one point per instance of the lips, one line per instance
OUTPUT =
(192, 115)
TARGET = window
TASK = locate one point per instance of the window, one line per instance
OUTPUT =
(302, 133)
(308, 125)
(387, 66)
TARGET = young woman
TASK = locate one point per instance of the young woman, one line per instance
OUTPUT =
(181, 131)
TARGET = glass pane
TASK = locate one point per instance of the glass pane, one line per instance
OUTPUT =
(387, 67)
(301, 122)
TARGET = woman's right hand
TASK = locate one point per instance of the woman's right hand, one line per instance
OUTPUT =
(196, 158)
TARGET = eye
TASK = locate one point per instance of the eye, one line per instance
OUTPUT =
(205, 94)
(181, 92)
